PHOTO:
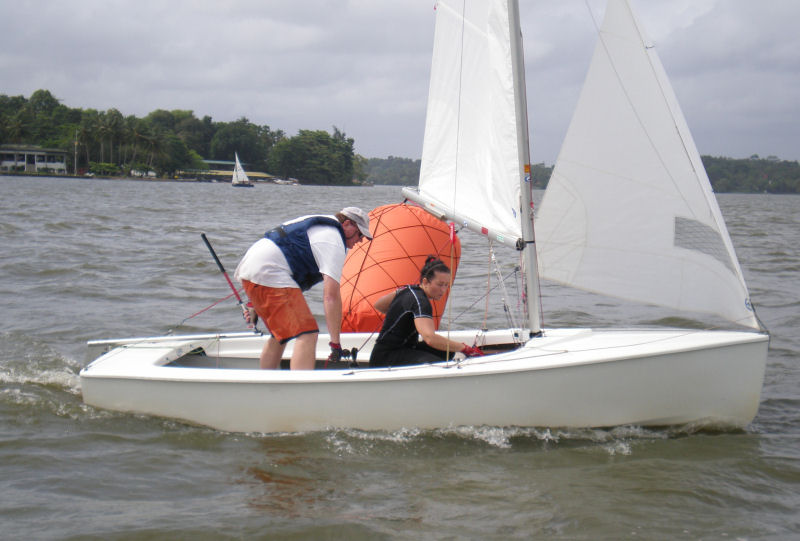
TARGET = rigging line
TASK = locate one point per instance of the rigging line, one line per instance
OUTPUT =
(450, 286)
(506, 309)
(488, 286)
(212, 305)
(460, 97)
(479, 299)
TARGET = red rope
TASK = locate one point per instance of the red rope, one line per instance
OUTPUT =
(208, 307)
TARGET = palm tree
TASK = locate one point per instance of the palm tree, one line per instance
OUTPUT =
(157, 146)
(103, 131)
(141, 137)
(115, 124)
(128, 134)
(87, 132)
(17, 128)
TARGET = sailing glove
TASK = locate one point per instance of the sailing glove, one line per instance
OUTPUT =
(336, 352)
(472, 351)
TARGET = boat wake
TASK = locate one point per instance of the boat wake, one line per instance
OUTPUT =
(621, 440)
(27, 362)
(36, 381)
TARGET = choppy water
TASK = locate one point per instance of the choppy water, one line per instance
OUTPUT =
(83, 259)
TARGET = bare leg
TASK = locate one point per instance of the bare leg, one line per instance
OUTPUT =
(304, 352)
(271, 354)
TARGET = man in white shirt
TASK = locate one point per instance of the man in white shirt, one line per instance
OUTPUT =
(289, 260)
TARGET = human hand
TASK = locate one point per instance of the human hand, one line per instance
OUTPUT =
(472, 351)
(249, 314)
(336, 352)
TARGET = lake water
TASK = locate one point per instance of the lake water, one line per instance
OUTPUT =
(85, 259)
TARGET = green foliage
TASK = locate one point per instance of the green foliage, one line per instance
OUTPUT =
(540, 174)
(107, 143)
(753, 175)
(749, 175)
(163, 141)
(237, 137)
(197, 161)
(314, 157)
(405, 172)
(392, 170)
(103, 169)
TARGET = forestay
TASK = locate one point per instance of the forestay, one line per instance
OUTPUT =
(629, 210)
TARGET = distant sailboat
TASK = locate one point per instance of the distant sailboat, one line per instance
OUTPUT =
(239, 178)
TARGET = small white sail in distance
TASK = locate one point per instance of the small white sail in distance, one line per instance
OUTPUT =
(239, 176)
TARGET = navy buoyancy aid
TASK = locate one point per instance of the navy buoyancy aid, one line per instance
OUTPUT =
(292, 239)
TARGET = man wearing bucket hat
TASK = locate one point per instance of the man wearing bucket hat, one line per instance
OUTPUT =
(289, 260)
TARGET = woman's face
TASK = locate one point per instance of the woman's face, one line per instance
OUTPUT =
(436, 287)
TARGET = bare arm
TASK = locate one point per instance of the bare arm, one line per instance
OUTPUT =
(332, 301)
(427, 331)
(382, 304)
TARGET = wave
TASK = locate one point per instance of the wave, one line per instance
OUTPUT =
(621, 440)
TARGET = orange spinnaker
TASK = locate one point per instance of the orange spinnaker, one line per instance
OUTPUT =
(403, 236)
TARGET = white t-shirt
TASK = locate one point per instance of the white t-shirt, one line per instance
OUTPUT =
(265, 264)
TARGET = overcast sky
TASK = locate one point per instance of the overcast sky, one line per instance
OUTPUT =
(363, 65)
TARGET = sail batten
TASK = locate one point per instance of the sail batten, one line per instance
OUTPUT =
(629, 211)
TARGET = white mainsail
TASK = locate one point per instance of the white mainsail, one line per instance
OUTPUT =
(475, 159)
(629, 210)
(470, 157)
(239, 176)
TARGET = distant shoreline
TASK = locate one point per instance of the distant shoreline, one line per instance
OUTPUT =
(103, 177)
(162, 179)
(268, 183)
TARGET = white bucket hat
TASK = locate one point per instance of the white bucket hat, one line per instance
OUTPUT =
(358, 217)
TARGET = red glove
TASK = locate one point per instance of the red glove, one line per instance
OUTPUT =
(336, 352)
(472, 351)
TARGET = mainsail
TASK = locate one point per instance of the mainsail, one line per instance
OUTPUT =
(475, 158)
(629, 210)
(470, 157)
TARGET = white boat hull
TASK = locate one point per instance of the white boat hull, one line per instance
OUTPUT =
(568, 378)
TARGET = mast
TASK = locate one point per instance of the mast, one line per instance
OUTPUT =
(526, 182)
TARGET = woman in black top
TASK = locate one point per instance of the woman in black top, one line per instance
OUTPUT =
(409, 315)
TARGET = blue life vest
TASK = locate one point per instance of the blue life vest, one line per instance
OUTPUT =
(292, 239)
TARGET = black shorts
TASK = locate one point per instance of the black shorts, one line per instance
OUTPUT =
(421, 354)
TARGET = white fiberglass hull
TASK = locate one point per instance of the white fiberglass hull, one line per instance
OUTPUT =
(568, 378)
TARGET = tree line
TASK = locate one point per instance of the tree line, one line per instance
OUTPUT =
(729, 175)
(749, 175)
(753, 174)
(166, 142)
(405, 171)
(107, 142)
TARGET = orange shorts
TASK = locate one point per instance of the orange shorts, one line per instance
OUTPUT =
(283, 309)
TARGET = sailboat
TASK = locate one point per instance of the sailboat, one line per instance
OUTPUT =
(239, 178)
(629, 212)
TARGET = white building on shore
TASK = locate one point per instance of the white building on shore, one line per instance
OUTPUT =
(32, 159)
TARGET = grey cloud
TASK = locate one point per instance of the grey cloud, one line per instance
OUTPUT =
(363, 65)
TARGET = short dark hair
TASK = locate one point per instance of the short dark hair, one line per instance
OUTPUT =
(432, 265)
